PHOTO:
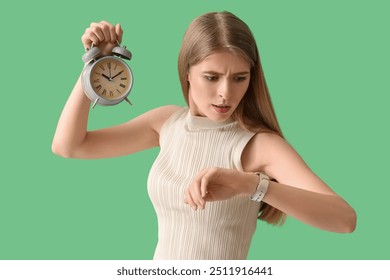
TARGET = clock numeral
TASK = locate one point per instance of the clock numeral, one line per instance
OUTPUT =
(118, 90)
(102, 67)
(109, 65)
(111, 93)
(99, 87)
(96, 81)
(98, 73)
(116, 65)
(122, 85)
(104, 92)
(123, 78)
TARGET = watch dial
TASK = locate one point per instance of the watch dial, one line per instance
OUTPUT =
(111, 78)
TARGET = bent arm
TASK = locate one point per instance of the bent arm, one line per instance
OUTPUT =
(299, 192)
(325, 211)
(72, 140)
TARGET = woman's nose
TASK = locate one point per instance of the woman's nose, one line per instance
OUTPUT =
(224, 90)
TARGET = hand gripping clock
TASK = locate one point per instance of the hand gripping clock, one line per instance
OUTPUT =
(107, 80)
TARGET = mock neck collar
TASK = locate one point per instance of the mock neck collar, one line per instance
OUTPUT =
(198, 122)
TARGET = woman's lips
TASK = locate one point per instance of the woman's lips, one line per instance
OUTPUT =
(221, 108)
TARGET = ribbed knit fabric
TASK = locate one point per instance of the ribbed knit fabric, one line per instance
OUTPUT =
(224, 229)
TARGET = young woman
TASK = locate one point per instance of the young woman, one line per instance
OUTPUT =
(223, 161)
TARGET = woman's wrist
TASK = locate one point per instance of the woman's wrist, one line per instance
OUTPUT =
(262, 187)
(252, 181)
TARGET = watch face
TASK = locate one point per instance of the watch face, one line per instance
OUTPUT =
(111, 78)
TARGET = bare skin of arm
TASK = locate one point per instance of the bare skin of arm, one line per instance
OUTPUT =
(72, 140)
(299, 192)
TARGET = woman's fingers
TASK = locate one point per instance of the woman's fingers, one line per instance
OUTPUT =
(113, 36)
(96, 31)
(103, 28)
(119, 32)
(189, 200)
(100, 33)
(205, 181)
(195, 193)
(88, 38)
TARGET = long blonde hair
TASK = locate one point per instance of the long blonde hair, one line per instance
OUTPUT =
(221, 31)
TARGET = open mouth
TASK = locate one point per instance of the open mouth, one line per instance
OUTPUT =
(221, 108)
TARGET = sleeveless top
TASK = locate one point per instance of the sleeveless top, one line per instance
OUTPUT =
(224, 229)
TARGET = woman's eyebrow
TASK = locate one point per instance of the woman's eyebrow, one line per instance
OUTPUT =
(233, 74)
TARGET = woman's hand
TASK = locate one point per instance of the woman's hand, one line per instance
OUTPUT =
(103, 35)
(214, 184)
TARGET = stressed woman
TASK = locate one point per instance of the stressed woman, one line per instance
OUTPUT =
(223, 163)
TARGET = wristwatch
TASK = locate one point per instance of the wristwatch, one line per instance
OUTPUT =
(262, 187)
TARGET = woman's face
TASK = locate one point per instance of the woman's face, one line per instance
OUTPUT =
(217, 85)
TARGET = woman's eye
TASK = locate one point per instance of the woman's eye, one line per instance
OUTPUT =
(211, 78)
(240, 78)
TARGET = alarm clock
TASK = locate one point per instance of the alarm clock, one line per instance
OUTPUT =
(107, 80)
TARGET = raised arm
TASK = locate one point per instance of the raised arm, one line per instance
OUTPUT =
(72, 139)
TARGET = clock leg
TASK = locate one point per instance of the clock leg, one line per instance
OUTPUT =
(128, 101)
(94, 103)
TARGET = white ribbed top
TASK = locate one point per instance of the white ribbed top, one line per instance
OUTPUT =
(224, 229)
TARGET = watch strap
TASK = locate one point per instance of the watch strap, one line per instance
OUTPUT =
(262, 187)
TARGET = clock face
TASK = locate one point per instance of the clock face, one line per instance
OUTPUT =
(111, 78)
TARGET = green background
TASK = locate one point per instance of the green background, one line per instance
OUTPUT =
(327, 67)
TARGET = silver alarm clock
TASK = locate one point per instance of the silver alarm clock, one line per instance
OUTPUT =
(107, 80)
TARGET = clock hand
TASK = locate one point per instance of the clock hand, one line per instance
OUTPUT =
(105, 76)
(117, 74)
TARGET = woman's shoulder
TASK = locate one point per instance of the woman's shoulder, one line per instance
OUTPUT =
(165, 111)
(160, 115)
(260, 149)
(267, 139)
